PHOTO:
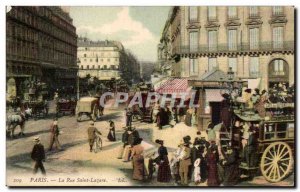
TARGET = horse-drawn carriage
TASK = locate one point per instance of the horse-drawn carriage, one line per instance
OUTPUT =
(39, 108)
(144, 113)
(274, 150)
(66, 106)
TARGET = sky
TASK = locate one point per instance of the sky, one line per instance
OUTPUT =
(137, 28)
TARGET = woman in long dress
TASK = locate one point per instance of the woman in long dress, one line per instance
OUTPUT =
(212, 160)
(112, 132)
(138, 161)
(164, 171)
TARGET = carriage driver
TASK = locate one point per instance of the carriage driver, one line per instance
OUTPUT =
(92, 131)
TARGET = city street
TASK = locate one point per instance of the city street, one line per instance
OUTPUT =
(77, 163)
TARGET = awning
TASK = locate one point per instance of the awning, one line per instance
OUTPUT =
(174, 85)
(213, 95)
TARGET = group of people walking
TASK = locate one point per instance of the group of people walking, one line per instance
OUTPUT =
(164, 116)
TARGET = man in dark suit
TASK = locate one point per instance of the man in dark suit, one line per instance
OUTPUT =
(38, 155)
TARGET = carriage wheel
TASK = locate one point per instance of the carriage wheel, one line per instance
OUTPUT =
(276, 162)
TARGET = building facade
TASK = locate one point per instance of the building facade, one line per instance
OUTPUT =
(40, 46)
(256, 42)
(99, 59)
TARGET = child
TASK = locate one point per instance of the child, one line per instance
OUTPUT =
(197, 177)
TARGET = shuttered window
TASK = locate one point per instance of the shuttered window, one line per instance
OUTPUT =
(232, 39)
(277, 37)
(212, 40)
(254, 38)
(193, 41)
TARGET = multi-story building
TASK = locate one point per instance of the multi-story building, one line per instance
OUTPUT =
(40, 45)
(257, 43)
(99, 59)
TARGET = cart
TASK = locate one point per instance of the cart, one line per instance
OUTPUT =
(66, 106)
(88, 106)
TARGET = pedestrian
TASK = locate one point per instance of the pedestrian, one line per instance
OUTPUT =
(132, 138)
(38, 155)
(137, 157)
(164, 171)
(54, 132)
(124, 141)
(212, 158)
(112, 131)
(175, 112)
(195, 154)
(92, 131)
(211, 134)
(251, 157)
(181, 114)
(204, 145)
(231, 168)
(129, 114)
(188, 117)
(174, 163)
(185, 161)
(169, 117)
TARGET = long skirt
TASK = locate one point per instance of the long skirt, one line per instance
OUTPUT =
(138, 167)
(164, 172)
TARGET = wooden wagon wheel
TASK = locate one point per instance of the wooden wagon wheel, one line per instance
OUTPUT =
(276, 162)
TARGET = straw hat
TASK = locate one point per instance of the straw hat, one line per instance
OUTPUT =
(36, 139)
(92, 123)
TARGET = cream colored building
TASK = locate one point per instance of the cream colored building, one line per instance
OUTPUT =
(256, 42)
(99, 59)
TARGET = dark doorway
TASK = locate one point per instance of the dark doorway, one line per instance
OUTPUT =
(215, 112)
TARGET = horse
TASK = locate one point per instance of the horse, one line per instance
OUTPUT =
(14, 120)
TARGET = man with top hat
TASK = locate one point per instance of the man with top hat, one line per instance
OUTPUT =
(38, 155)
(92, 131)
(185, 161)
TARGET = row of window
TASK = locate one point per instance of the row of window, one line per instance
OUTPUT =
(25, 33)
(28, 50)
(232, 39)
(45, 26)
(32, 19)
(105, 67)
(109, 54)
(101, 60)
(277, 66)
(231, 12)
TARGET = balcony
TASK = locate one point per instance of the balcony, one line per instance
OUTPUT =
(263, 47)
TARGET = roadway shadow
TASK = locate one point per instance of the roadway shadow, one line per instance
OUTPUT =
(25, 157)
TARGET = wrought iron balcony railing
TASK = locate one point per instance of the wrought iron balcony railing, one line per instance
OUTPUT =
(245, 47)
